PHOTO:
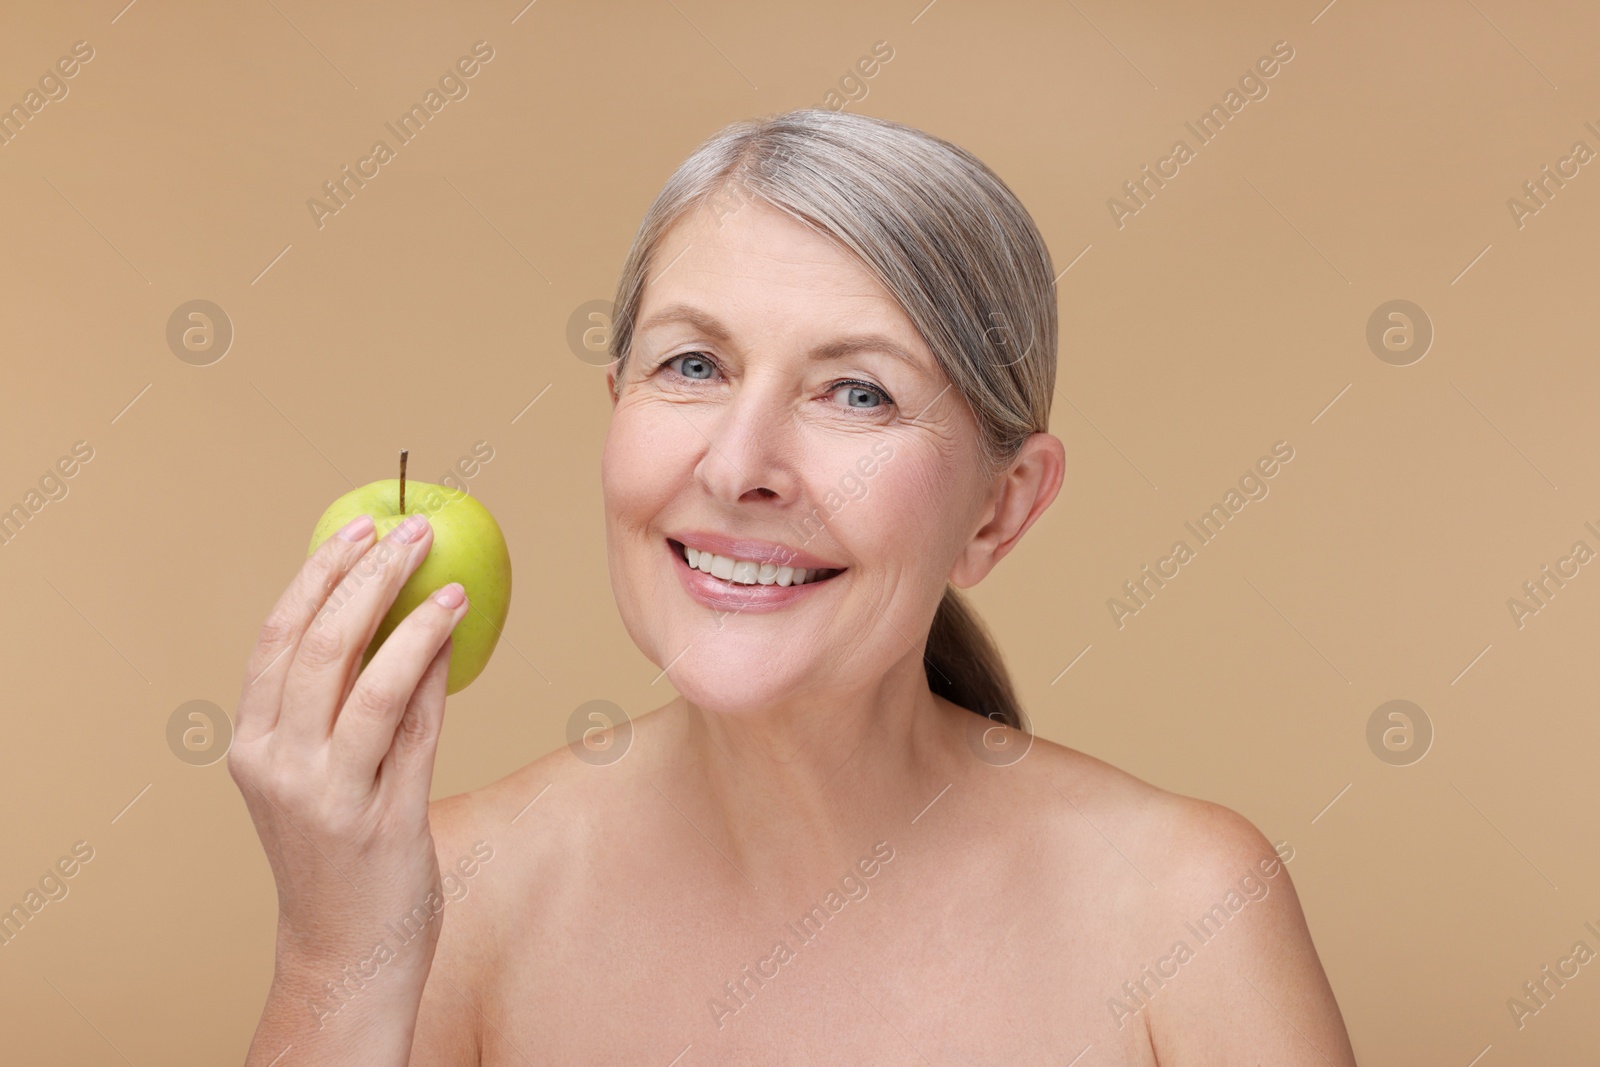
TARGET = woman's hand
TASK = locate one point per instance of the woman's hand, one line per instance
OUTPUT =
(335, 763)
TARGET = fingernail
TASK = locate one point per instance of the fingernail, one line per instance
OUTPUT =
(450, 596)
(411, 529)
(356, 529)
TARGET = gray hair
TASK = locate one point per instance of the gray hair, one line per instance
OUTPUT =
(952, 245)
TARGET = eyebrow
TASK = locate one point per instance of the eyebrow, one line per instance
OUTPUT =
(838, 348)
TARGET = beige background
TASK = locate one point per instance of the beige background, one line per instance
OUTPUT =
(1229, 314)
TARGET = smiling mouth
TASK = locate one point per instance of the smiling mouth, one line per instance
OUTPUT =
(749, 572)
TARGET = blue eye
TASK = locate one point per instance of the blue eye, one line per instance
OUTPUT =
(694, 360)
(863, 391)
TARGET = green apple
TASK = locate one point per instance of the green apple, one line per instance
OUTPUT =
(468, 547)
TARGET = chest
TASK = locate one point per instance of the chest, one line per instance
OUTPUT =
(949, 963)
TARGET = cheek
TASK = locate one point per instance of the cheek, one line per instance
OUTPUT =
(914, 489)
(639, 466)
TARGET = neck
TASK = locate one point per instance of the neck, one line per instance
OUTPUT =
(796, 792)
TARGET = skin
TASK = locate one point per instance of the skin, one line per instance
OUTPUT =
(1015, 885)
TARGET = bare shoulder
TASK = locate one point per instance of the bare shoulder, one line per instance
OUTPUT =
(1189, 840)
(499, 846)
(1226, 933)
(1123, 806)
(540, 811)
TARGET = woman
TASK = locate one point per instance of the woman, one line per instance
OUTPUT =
(834, 356)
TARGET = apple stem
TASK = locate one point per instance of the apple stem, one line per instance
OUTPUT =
(403, 481)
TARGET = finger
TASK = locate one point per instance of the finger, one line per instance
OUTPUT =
(366, 726)
(332, 645)
(280, 635)
(407, 768)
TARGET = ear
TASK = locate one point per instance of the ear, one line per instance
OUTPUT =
(611, 384)
(1017, 498)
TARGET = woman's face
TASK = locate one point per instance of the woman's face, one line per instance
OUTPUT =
(765, 416)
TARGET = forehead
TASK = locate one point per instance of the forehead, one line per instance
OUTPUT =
(753, 264)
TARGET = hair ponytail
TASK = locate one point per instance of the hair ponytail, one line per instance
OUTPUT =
(964, 665)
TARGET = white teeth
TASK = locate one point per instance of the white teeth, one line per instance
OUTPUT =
(747, 572)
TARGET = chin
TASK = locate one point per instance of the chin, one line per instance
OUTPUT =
(714, 677)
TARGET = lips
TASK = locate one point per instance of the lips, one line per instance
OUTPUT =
(752, 549)
(726, 595)
(750, 571)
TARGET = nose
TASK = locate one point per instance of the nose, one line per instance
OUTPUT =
(749, 446)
